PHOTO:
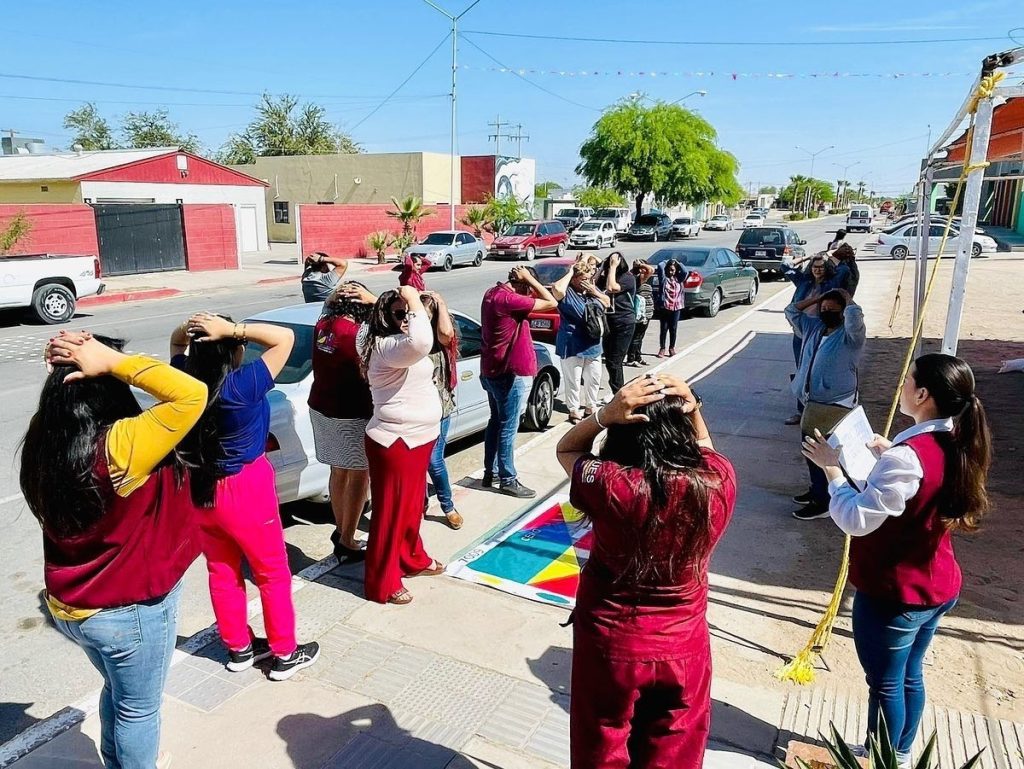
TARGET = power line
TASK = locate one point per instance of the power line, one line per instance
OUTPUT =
(364, 101)
(530, 82)
(412, 74)
(776, 43)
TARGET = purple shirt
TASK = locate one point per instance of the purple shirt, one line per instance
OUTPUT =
(507, 344)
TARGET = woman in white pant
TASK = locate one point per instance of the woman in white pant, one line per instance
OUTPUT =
(579, 350)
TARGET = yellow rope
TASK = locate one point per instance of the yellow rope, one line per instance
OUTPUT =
(800, 669)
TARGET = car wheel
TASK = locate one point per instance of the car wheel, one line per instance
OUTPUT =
(541, 404)
(714, 304)
(976, 249)
(900, 252)
(531, 253)
(449, 262)
(53, 303)
(478, 259)
(560, 251)
(751, 293)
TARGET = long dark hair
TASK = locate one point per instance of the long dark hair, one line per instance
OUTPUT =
(342, 306)
(59, 450)
(666, 450)
(201, 451)
(602, 272)
(450, 350)
(380, 325)
(950, 382)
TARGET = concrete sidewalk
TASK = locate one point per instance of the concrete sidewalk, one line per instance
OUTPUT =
(1007, 239)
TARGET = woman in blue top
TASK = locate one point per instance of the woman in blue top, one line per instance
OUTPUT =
(232, 482)
(579, 351)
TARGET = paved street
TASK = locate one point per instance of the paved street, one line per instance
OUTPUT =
(28, 646)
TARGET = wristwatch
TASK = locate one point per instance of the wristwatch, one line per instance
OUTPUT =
(696, 397)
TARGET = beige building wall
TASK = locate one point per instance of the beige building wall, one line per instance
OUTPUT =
(437, 178)
(32, 192)
(345, 179)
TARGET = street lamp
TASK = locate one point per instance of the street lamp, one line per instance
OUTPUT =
(455, 68)
(841, 203)
(701, 92)
(643, 96)
(813, 155)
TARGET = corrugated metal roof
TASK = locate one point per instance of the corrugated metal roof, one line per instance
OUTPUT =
(69, 165)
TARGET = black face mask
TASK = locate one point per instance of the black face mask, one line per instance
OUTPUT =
(831, 318)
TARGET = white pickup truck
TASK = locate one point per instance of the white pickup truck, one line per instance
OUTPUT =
(49, 284)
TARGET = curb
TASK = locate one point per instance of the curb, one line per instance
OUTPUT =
(387, 267)
(272, 281)
(118, 297)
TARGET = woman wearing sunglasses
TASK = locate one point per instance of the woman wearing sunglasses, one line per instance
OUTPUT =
(395, 348)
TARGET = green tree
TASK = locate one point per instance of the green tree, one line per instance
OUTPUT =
(475, 218)
(503, 212)
(795, 194)
(598, 197)
(664, 150)
(16, 230)
(155, 129)
(91, 130)
(379, 243)
(769, 190)
(409, 211)
(544, 189)
(284, 127)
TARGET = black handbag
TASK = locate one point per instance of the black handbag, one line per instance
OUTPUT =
(594, 319)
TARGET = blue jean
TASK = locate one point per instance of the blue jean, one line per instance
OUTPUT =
(891, 640)
(131, 647)
(438, 470)
(507, 397)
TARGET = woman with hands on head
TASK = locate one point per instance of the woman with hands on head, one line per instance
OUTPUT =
(118, 526)
(615, 279)
(659, 498)
(232, 481)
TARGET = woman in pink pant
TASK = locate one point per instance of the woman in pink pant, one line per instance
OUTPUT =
(232, 481)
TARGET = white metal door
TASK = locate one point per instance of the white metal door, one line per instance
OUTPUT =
(248, 229)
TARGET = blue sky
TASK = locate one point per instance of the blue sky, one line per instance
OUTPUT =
(349, 56)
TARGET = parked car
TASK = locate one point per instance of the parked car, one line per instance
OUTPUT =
(290, 444)
(718, 222)
(620, 217)
(860, 217)
(653, 227)
(447, 248)
(544, 325)
(685, 227)
(767, 248)
(714, 277)
(48, 284)
(571, 218)
(752, 220)
(525, 240)
(903, 242)
(593, 234)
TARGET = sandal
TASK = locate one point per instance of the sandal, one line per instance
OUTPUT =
(431, 571)
(401, 598)
(454, 519)
(574, 417)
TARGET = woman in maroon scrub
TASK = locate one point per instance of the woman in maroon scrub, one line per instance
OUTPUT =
(658, 497)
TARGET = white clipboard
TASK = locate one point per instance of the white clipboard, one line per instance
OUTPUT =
(851, 437)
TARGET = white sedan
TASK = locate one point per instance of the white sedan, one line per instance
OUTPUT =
(902, 242)
(447, 248)
(685, 227)
(719, 222)
(753, 220)
(290, 444)
(593, 234)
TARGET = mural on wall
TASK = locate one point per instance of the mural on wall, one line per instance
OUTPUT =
(515, 176)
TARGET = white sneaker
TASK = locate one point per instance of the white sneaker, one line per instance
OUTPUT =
(163, 761)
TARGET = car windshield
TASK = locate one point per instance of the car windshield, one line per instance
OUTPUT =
(300, 362)
(720, 218)
(647, 220)
(690, 257)
(518, 230)
(568, 212)
(606, 213)
(549, 273)
(590, 226)
(762, 236)
(682, 220)
(437, 239)
(753, 216)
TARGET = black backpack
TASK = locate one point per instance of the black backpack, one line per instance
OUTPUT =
(594, 319)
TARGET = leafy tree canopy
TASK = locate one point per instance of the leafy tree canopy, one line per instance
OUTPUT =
(155, 129)
(91, 130)
(769, 190)
(544, 189)
(598, 197)
(795, 193)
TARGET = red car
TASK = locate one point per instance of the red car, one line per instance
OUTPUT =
(525, 240)
(544, 325)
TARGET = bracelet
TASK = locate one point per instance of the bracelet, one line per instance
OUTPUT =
(597, 418)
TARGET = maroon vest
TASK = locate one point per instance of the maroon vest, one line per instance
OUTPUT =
(137, 551)
(909, 559)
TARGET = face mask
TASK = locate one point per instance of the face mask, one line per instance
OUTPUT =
(831, 318)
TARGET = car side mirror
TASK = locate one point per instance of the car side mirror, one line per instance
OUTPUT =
(745, 263)
(801, 242)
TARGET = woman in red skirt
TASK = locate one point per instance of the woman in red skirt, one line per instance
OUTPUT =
(659, 498)
(395, 347)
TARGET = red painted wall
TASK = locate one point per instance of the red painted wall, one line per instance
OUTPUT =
(343, 230)
(56, 228)
(477, 178)
(210, 242)
(164, 169)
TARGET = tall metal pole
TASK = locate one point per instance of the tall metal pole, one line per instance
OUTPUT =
(455, 69)
(924, 221)
(813, 155)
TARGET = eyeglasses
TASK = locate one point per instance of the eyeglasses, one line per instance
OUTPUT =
(399, 314)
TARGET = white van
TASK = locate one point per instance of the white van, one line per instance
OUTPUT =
(860, 218)
(622, 218)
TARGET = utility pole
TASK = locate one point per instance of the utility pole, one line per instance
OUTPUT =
(455, 68)
(846, 182)
(518, 139)
(497, 136)
(810, 185)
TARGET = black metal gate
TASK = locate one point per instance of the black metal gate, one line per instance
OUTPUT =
(140, 237)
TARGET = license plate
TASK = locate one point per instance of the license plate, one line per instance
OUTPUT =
(760, 253)
(540, 323)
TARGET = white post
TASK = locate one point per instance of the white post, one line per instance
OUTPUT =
(298, 233)
(923, 227)
(972, 200)
(451, 178)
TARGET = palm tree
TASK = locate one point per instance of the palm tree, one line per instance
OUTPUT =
(409, 212)
(861, 186)
(379, 242)
(475, 217)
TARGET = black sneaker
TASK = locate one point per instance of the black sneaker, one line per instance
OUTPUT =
(804, 499)
(257, 650)
(811, 511)
(303, 656)
(346, 554)
(488, 480)
(516, 489)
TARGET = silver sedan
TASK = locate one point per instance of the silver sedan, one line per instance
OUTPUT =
(447, 248)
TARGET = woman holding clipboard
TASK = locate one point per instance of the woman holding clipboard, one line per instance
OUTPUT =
(927, 483)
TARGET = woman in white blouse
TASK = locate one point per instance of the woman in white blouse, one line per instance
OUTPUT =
(395, 346)
(928, 482)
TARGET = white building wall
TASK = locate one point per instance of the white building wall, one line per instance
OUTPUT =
(234, 195)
